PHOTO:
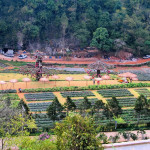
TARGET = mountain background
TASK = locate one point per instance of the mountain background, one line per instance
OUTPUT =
(109, 25)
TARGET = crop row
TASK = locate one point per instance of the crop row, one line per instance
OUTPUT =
(130, 116)
(39, 106)
(77, 94)
(143, 91)
(78, 102)
(8, 91)
(39, 96)
(125, 102)
(117, 93)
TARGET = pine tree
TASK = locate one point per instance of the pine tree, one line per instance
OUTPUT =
(69, 105)
(141, 107)
(54, 110)
(114, 106)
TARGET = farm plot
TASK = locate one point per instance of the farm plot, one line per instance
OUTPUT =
(8, 91)
(100, 118)
(130, 116)
(43, 121)
(79, 101)
(77, 94)
(40, 96)
(37, 107)
(143, 91)
(125, 102)
(116, 92)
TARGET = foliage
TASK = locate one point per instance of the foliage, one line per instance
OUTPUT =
(69, 105)
(27, 23)
(54, 110)
(101, 39)
(23, 105)
(141, 106)
(13, 122)
(114, 139)
(125, 102)
(114, 106)
(76, 132)
(28, 143)
(107, 112)
(44, 136)
(99, 105)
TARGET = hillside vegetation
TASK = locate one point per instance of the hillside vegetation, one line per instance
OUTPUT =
(109, 25)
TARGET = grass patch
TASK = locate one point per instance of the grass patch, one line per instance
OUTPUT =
(119, 120)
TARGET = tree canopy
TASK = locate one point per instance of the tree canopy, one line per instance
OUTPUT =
(77, 132)
(37, 24)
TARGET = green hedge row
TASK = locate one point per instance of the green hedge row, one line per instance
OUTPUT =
(90, 87)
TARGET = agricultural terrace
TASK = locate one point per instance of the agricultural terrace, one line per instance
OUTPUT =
(38, 103)
(40, 95)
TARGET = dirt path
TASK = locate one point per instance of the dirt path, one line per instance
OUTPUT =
(78, 60)
(51, 84)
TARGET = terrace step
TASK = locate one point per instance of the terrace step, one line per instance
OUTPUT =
(136, 94)
(98, 96)
(59, 96)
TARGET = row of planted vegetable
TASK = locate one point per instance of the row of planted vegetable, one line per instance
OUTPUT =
(124, 97)
(127, 101)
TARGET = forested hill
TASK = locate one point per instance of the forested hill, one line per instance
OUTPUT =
(106, 24)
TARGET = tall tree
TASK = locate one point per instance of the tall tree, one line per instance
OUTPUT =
(141, 107)
(54, 110)
(85, 105)
(99, 105)
(114, 106)
(107, 112)
(69, 105)
(101, 40)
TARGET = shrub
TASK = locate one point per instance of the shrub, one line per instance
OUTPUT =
(44, 136)
(33, 144)
(75, 133)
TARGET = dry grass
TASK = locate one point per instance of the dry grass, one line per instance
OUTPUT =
(9, 76)
(50, 84)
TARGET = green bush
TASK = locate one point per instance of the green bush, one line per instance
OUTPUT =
(77, 133)
(34, 144)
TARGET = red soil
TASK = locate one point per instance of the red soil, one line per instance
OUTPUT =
(113, 60)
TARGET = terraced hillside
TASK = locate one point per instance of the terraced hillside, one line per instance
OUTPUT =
(39, 102)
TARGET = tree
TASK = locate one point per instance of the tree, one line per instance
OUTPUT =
(114, 106)
(107, 112)
(64, 24)
(36, 71)
(54, 110)
(69, 105)
(13, 122)
(101, 39)
(99, 105)
(75, 133)
(85, 105)
(141, 106)
(24, 106)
